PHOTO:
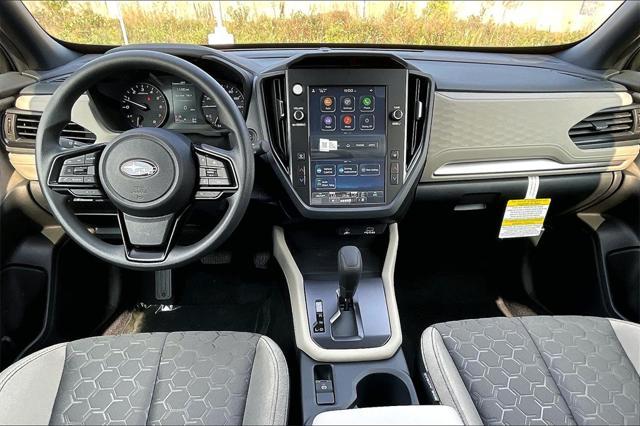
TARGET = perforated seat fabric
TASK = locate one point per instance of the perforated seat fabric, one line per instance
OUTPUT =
(157, 378)
(537, 370)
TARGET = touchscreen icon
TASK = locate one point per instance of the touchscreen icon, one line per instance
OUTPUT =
(347, 122)
(367, 103)
(347, 103)
(328, 122)
(328, 103)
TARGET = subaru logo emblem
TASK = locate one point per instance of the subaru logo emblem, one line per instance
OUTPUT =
(138, 168)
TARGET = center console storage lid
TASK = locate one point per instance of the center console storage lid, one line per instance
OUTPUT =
(399, 415)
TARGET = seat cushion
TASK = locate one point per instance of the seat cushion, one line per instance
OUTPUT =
(157, 378)
(538, 369)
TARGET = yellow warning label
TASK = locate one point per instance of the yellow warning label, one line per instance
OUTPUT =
(529, 202)
(517, 222)
(524, 218)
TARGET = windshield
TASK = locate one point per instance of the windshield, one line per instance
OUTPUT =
(423, 23)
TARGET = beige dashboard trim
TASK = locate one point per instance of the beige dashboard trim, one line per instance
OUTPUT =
(295, 282)
(81, 114)
(518, 166)
(487, 135)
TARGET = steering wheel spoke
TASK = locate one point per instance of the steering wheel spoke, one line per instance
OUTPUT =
(217, 172)
(74, 171)
(149, 239)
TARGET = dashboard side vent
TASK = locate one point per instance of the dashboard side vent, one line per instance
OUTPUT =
(607, 128)
(20, 129)
(275, 105)
(416, 115)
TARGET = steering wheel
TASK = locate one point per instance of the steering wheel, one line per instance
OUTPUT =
(151, 175)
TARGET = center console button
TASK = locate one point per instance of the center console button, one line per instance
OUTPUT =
(298, 115)
(297, 89)
(396, 115)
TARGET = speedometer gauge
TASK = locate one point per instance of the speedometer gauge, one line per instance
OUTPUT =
(210, 109)
(144, 105)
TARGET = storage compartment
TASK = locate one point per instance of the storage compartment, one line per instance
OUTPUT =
(382, 390)
(623, 273)
(331, 386)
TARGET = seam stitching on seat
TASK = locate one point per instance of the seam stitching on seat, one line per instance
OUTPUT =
(444, 376)
(274, 402)
(19, 367)
(155, 380)
(573, 417)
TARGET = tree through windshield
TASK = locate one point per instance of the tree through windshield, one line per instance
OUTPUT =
(424, 23)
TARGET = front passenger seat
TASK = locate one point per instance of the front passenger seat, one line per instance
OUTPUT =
(158, 378)
(536, 370)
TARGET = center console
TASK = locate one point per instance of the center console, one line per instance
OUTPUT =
(347, 139)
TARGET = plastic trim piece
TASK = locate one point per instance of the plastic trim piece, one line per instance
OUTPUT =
(512, 134)
(519, 166)
(295, 282)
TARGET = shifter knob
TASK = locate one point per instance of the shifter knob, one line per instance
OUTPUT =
(350, 269)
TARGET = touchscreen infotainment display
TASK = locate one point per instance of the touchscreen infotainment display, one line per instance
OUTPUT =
(347, 145)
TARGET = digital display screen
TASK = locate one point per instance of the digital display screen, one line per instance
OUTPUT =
(186, 107)
(347, 144)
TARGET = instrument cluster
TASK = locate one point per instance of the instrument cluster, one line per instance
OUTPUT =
(152, 100)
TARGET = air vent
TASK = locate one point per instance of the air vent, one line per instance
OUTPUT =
(610, 127)
(416, 116)
(276, 107)
(20, 129)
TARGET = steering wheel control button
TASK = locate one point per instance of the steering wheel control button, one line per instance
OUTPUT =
(367, 103)
(208, 195)
(396, 115)
(297, 89)
(75, 160)
(86, 193)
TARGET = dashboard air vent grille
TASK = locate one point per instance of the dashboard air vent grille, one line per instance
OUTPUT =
(275, 104)
(610, 127)
(20, 129)
(416, 115)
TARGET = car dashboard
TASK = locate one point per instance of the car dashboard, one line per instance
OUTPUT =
(363, 133)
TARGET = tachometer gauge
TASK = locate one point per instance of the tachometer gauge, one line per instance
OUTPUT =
(144, 105)
(210, 109)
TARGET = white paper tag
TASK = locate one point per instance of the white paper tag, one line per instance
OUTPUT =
(327, 145)
(524, 218)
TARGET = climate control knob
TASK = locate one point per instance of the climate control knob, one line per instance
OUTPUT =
(396, 115)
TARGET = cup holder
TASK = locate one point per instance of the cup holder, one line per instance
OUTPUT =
(383, 390)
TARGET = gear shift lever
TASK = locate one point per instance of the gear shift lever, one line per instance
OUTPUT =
(350, 269)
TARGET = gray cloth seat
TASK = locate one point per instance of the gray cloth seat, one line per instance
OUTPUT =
(156, 378)
(536, 370)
